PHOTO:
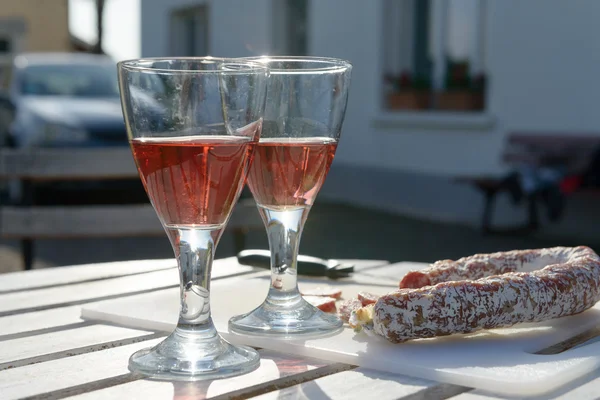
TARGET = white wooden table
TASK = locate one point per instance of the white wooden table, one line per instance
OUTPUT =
(48, 352)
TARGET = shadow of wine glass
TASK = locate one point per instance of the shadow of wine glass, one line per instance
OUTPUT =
(271, 375)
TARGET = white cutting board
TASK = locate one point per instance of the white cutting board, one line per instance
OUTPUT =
(500, 360)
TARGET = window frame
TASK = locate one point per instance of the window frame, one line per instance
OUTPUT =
(398, 35)
(180, 44)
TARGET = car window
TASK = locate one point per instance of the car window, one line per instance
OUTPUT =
(70, 80)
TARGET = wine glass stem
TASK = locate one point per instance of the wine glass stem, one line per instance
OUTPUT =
(284, 229)
(194, 249)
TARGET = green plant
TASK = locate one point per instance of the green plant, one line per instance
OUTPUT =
(406, 81)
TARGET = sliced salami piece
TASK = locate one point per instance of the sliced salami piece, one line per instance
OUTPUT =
(325, 304)
(347, 307)
(323, 291)
(367, 298)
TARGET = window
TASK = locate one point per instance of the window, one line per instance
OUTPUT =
(189, 32)
(434, 54)
(5, 64)
(5, 45)
(290, 27)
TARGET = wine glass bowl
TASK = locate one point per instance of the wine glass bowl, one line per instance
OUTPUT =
(193, 124)
(306, 103)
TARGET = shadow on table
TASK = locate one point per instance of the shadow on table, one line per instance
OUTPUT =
(276, 373)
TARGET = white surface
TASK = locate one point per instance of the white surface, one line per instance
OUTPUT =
(33, 346)
(92, 372)
(159, 310)
(72, 274)
(95, 370)
(116, 286)
(273, 366)
(59, 374)
(33, 321)
(36, 379)
(499, 360)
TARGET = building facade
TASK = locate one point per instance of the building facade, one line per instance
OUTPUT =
(494, 67)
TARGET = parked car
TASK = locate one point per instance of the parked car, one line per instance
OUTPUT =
(67, 100)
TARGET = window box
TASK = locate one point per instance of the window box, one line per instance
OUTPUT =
(408, 93)
(460, 100)
(408, 100)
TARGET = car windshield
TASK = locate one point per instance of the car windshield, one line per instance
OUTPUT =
(70, 80)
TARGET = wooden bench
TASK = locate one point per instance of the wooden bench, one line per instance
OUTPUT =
(28, 221)
(573, 152)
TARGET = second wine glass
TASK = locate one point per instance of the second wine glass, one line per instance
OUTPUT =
(306, 103)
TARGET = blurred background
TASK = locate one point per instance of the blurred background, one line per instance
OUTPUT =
(472, 125)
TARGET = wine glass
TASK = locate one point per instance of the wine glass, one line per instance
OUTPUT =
(193, 124)
(306, 103)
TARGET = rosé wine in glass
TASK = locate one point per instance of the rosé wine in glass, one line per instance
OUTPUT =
(193, 180)
(288, 173)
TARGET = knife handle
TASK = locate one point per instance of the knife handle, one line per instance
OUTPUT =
(255, 258)
(307, 265)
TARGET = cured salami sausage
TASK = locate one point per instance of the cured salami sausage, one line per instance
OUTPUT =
(482, 265)
(569, 285)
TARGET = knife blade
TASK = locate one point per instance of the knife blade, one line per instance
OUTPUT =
(307, 265)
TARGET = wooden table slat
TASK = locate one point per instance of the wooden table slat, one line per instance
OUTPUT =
(56, 342)
(275, 367)
(34, 321)
(83, 371)
(67, 163)
(58, 296)
(59, 374)
(48, 277)
(90, 291)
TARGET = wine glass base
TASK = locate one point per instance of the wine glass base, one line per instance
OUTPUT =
(300, 321)
(181, 358)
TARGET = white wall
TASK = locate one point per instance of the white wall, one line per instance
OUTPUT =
(349, 29)
(237, 27)
(121, 26)
(543, 61)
